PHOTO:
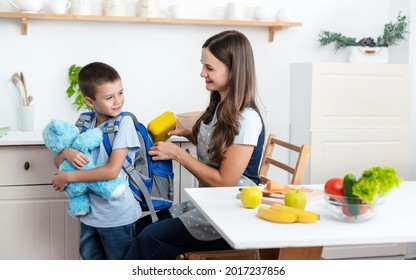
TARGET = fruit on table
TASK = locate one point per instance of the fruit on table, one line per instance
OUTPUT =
(304, 216)
(283, 214)
(267, 213)
(296, 199)
(335, 186)
(251, 197)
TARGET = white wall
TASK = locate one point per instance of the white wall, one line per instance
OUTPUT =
(159, 63)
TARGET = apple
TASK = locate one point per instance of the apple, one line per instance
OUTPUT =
(295, 199)
(251, 197)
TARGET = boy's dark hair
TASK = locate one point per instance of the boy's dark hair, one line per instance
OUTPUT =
(93, 75)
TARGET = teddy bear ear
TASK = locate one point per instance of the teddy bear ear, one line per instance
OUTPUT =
(56, 126)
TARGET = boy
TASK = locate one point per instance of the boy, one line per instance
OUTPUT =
(107, 231)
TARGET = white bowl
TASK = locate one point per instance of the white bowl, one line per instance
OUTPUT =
(283, 15)
(262, 13)
(188, 119)
(28, 6)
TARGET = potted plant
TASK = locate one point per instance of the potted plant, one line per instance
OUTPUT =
(74, 90)
(369, 49)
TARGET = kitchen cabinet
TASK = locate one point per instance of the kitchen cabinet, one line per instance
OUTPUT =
(24, 17)
(34, 219)
(354, 116)
(183, 178)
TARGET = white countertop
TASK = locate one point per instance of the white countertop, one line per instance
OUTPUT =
(242, 229)
(17, 138)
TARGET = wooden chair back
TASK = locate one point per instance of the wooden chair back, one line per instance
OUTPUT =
(297, 171)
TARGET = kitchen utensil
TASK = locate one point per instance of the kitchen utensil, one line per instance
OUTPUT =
(18, 87)
(29, 100)
(27, 118)
(25, 102)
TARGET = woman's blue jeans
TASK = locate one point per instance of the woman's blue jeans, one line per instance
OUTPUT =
(166, 239)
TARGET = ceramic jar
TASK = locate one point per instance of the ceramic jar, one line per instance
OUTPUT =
(115, 7)
(148, 8)
(81, 7)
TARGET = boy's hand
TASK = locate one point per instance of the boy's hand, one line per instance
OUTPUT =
(60, 181)
(75, 157)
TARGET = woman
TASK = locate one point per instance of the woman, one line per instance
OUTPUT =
(229, 137)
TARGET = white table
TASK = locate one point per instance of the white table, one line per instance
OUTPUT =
(242, 229)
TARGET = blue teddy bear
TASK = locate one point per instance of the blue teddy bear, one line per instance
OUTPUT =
(59, 135)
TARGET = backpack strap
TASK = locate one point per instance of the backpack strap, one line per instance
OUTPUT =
(110, 130)
(138, 184)
(141, 161)
(84, 121)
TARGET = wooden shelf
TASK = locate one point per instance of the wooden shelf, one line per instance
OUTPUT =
(272, 26)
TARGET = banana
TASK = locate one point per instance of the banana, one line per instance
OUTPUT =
(303, 216)
(267, 213)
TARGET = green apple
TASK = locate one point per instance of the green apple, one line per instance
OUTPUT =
(251, 197)
(296, 199)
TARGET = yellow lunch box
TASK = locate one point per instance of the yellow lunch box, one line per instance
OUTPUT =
(160, 126)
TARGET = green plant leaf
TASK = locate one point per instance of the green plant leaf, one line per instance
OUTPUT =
(74, 90)
(394, 33)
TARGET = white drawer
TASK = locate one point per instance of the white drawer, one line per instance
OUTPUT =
(26, 165)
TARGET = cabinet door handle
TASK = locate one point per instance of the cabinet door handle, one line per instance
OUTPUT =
(27, 165)
(188, 151)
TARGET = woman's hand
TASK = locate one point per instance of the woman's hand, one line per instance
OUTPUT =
(60, 181)
(180, 130)
(163, 151)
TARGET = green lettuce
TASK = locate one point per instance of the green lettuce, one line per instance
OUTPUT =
(376, 182)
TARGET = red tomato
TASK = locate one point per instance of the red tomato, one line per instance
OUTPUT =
(334, 186)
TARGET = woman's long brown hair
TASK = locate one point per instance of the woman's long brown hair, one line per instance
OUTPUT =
(234, 50)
